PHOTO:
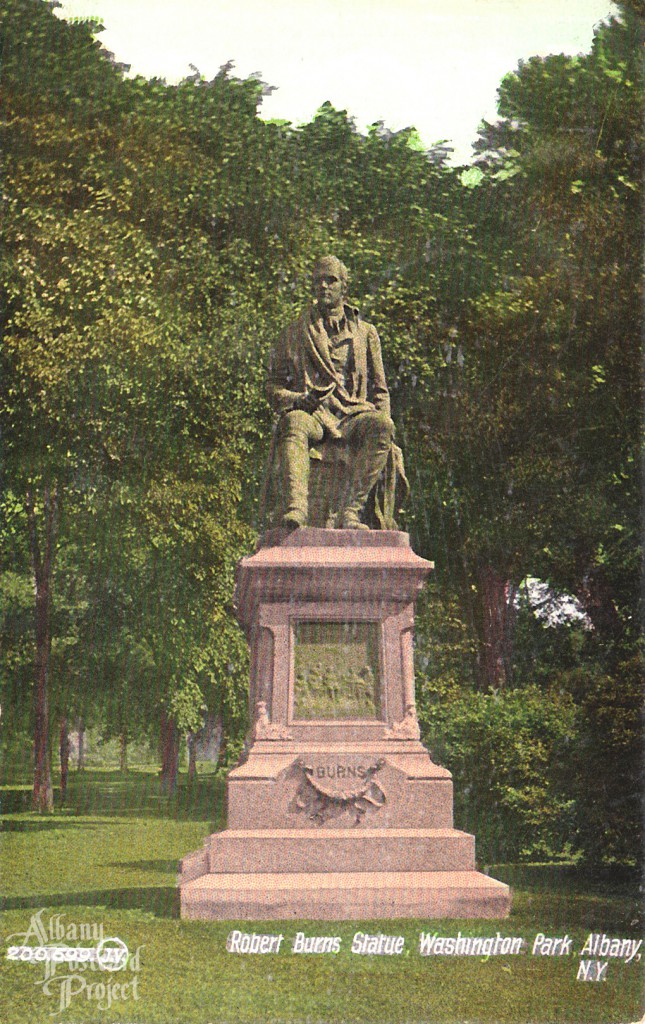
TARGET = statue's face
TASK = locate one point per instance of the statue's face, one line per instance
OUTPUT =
(328, 288)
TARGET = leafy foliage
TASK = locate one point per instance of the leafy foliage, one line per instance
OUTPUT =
(156, 240)
(605, 775)
(505, 750)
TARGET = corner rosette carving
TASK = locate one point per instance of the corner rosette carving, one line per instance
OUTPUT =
(265, 729)
(407, 728)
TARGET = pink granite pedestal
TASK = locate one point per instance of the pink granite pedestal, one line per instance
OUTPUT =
(338, 811)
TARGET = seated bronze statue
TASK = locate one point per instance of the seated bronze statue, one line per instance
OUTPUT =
(334, 439)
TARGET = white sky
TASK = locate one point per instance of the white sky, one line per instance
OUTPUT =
(434, 64)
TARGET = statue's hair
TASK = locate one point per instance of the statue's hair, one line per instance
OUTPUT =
(338, 267)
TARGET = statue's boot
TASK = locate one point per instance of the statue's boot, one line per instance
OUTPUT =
(296, 431)
(372, 438)
(295, 455)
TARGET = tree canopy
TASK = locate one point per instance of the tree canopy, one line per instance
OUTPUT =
(158, 237)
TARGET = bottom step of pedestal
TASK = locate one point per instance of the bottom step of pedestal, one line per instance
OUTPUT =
(337, 896)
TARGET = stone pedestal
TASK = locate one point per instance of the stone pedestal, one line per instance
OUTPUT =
(338, 811)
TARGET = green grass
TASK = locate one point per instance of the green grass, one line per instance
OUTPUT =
(110, 858)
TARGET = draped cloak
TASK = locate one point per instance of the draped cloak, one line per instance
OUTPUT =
(302, 360)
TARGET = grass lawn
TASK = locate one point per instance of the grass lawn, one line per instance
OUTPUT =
(110, 859)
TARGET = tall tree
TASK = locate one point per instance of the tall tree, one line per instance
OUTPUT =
(524, 430)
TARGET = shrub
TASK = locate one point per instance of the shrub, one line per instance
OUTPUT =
(604, 777)
(505, 751)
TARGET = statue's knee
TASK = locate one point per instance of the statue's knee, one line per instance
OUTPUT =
(294, 422)
(381, 424)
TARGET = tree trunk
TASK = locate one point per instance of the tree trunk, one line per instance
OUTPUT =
(223, 745)
(597, 600)
(496, 628)
(42, 564)
(212, 736)
(169, 754)
(123, 753)
(64, 758)
(80, 763)
(191, 743)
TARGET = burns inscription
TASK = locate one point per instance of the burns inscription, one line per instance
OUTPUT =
(340, 772)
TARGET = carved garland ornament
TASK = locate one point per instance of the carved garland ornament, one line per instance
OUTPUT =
(323, 803)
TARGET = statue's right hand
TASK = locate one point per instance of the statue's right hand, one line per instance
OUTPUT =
(314, 396)
(308, 401)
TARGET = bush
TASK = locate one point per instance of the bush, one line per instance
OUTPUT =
(505, 751)
(604, 777)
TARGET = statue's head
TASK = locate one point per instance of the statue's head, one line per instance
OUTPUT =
(330, 279)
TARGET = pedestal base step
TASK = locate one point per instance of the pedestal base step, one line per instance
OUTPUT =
(248, 851)
(337, 896)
